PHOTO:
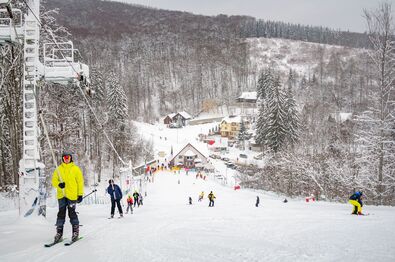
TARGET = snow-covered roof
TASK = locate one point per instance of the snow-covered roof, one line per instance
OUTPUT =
(171, 115)
(185, 115)
(248, 95)
(189, 153)
(200, 148)
(236, 119)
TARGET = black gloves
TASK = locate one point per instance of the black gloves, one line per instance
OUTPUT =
(79, 200)
(62, 185)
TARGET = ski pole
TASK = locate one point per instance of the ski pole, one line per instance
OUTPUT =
(93, 191)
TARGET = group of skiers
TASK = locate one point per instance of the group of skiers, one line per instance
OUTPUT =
(116, 195)
(210, 197)
(133, 200)
(69, 183)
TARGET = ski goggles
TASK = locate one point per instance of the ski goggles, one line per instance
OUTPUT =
(66, 158)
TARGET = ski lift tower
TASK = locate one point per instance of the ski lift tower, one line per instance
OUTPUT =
(56, 67)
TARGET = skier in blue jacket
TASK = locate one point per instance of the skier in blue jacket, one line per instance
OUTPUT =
(356, 201)
(116, 196)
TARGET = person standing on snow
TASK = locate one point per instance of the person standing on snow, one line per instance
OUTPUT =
(69, 183)
(257, 201)
(201, 196)
(356, 201)
(116, 196)
(129, 200)
(136, 198)
(211, 197)
(140, 199)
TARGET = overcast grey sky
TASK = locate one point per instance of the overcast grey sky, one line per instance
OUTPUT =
(343, 14)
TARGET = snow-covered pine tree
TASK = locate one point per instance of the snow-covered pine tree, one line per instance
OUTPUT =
(260, 136)
(118, 118)
(97, 84)
(292, 118)
(275, 128)
(116, 101)
(265, 81)
(243, 135)
(265, 86)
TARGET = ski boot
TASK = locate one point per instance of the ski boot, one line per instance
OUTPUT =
(59, 234)
(76, 231)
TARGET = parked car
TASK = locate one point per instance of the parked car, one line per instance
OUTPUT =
(243, 156)
(225, 159)
(258, 156)
(230, 164)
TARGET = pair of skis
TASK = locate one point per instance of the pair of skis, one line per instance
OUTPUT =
(69, 243)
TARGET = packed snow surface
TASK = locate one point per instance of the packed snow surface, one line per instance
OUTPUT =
(167, 229)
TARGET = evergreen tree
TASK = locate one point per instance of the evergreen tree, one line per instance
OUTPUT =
(264, 88)
(275, 128)
(265, 81)
(260, 137)
(97, 84)
(292, 119)
(243, 135)
(118, 119)
(116, 101)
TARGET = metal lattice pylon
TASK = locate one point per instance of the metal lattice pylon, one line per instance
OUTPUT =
(32, 177)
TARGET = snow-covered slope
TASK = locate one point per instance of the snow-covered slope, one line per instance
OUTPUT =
(302, 57)
(166, 228)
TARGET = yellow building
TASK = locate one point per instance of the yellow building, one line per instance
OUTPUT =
(230, 127)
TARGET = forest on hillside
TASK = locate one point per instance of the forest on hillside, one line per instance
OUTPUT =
(146, 63)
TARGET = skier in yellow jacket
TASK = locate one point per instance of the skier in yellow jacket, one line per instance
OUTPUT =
(211, 197)
(69, 183)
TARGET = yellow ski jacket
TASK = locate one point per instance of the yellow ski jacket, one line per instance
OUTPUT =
(72, 177)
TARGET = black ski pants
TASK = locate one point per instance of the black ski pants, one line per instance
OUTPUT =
(211, 204)
(70, 205)
(118, 201)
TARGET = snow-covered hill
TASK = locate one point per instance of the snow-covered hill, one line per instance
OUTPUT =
(166, 228)
(302, 57)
